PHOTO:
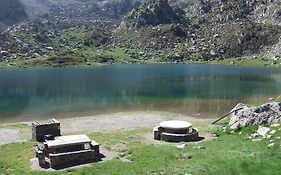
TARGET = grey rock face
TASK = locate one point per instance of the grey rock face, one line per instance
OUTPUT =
(264, 114)
(153, 13)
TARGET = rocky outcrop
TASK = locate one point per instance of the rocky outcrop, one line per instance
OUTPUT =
(260, 115)
(222, 10)
(12, 11)
(153, 13)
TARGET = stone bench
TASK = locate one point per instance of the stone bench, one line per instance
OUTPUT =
(69, 158)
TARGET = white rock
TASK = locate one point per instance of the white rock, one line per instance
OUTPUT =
(272, 132)
(182, 146)
(199, 147)
(235, 126)
(263, 131)
(271, 145)
(274, 125)
(254, 135)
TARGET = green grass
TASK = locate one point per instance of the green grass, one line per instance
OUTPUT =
(15, 126)
(229, 154)
(63, 59)
(246, 61)
(91, 57)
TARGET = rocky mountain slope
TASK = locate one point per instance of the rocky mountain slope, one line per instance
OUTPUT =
(153, 13)
(140, 30)
(212, 29)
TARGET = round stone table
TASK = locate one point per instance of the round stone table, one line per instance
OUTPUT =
(176, 126)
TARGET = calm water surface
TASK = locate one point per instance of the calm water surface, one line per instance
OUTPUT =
(197, 90)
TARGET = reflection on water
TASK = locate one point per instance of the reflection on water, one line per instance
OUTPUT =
(28, 94)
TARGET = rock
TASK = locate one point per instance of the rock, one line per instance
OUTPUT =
(263, 131)
(152, 13)
(49, 48)
(274, 125)
(271, 145)
(199, 147)
(182, 146)
(235, 126)
(254, 135)
(260, 115)
(272, 132)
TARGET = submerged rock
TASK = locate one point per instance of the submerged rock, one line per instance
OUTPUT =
(260, 115)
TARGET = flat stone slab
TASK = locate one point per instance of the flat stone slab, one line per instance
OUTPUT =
(175, 125)
(68, 140)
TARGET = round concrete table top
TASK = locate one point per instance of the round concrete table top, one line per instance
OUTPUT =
(175, 124)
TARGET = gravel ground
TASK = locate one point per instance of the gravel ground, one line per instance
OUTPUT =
(96, 123)
(9, 136)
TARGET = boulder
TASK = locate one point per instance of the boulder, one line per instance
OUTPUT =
(263, 131)
(271, 145)
(260, 115)
(182, 146)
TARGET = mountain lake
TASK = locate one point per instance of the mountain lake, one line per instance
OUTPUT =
(203, 91)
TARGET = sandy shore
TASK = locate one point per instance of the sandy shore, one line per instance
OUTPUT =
(95, 123)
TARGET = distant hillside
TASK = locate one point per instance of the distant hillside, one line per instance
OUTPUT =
(12, 11)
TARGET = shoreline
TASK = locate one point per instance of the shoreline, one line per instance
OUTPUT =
(85, 114)
(233, 62)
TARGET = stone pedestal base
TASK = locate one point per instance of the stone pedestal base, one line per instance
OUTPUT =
(159, 134)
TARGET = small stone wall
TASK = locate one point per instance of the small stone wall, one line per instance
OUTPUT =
(39, 130)
(161, 134)
(168, 137)
(72, 158)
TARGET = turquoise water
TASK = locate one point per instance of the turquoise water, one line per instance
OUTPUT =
(197, 90)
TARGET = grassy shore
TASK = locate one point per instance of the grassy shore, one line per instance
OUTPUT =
(93, 57)
(229, 153)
